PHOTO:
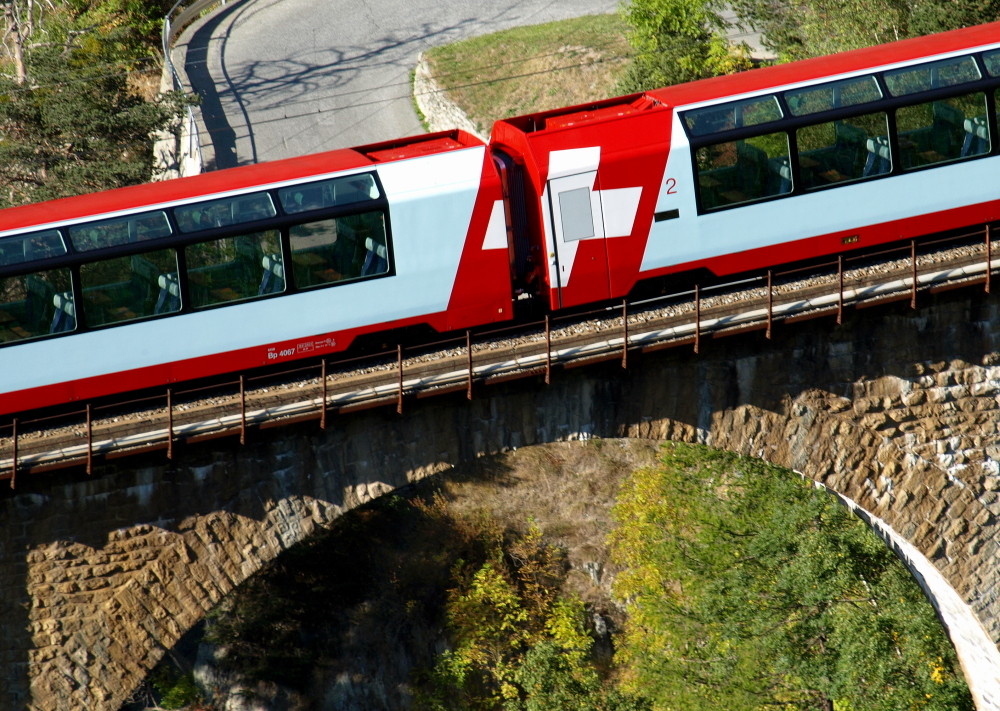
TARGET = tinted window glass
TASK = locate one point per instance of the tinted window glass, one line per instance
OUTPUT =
(123, 230)
(127, 288)
(35, 305)
(734, 172)
(220, 213)
(230, 269)
(838, 94)
(838, 151)
(335, 250)
(576, 213)
(328, 193)
(992, 61)
(25, 248)
(933, 75)
(735, 114)
(939, 131)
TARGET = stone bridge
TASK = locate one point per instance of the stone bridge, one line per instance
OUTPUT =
(897, 410)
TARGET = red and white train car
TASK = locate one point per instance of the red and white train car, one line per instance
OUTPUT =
(765, 167)
(232, 270)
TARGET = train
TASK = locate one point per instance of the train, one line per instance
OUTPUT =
(259, 265)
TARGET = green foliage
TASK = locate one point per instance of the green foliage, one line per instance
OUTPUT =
(176, 690)
(808, 28)
(78, 123)
(551, 680)
(517, 644)
(677, 41)
(747, 588)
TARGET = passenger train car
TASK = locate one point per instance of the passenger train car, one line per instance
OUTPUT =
(241, 268)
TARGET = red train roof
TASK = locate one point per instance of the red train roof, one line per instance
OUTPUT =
(240, 178)
(817, 68)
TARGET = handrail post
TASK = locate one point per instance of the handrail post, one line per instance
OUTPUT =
(913, 265)
(770, 305)
(468, 350)
(243, 409)
(322, 377)
(170, 424)
(840, 278)
(989, 256)
(399, 360)
(624, 333)
(90, 442)
(13, 473)
(548, 351)
(697, 319)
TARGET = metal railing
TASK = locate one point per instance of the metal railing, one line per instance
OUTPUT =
(388, 379)
(183, 156)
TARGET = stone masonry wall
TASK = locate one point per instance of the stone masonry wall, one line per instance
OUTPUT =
(897, 410)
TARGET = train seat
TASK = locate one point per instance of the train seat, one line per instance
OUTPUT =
(879, 156)
(64, 317)
(169, 299)
(376, 258)
(273, 280)
(780, 173)
(977, 136)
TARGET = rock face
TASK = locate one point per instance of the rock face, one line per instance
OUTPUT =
(896, 410)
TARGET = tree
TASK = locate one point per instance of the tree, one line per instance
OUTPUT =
(747, 588)
(517, 644)
(676, 41)
(810, 28)
(71, 116)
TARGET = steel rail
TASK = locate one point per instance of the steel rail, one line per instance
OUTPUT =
(391, 386)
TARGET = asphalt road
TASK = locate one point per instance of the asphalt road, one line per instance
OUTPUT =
(280, 78)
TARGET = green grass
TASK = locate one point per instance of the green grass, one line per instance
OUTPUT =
(529, 69)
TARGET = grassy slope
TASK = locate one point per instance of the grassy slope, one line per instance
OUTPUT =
(528, 69)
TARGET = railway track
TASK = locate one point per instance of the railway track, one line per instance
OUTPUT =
(323, 389)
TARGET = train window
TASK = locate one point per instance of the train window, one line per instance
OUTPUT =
(35, 305)
(835, 95)
(328, 193)
(27, 248)
(943, 130)
(220, 213)
(848, 149)
(933, 75)
(739, 171)
(992, 62)
(127, 288)
(735, 114)
(231, 269)
(335, 250)
(122, 230)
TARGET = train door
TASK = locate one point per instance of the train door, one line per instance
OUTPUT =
(578, 259)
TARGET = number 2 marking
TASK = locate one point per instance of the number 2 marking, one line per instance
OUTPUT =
(671, 186)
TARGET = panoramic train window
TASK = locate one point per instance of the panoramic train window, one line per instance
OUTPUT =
(328, 193)
(992, 62)
(943, 130)
(835, 95)
(25, 248)
(35, 305)
(740, 171)
(127, 288)
(847, 149)
(933, 75)
(121, 230)
(231, 269)
(735, 114)
(220, 213)
(334, 250)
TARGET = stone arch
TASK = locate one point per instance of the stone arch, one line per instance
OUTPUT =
(896, 410)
